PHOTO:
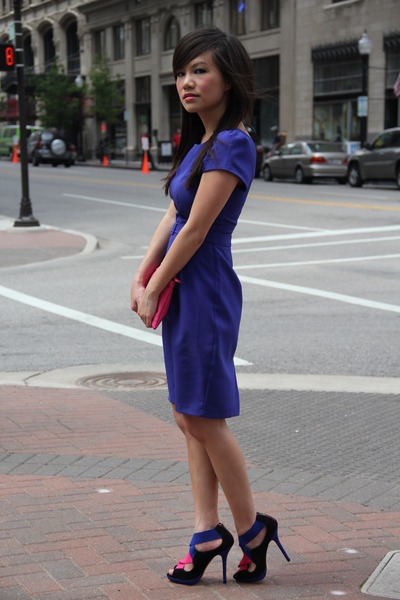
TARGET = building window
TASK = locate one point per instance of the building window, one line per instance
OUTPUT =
(392, 51)
(49, 49)
(203, 14)
(336, 77)
(142, 90)
(143, 37)
(119, 42)
(73, 49)
(270, 15)
(172, 34)
(100, 43)
(238, 16)
(28, 52)
(266, 109)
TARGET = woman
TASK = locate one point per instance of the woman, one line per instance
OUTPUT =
(208, 183)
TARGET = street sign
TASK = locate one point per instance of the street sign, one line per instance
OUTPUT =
(7, 57)
(362, 106)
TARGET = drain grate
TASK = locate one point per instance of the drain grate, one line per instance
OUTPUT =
(125, 381)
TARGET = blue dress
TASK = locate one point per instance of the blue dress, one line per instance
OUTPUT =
(201, 328)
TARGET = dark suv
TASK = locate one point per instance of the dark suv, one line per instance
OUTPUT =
(53, 147)
(378, 161)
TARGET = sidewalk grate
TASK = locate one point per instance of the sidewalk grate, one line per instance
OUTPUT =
(125, 381)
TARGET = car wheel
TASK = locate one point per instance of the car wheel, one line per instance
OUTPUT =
(398, 176)
(299, 175)
(54, 164)
(267, 173)
(35, 160)
(354, 175)
(67, 164)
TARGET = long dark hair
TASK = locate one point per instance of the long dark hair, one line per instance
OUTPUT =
(232, 59)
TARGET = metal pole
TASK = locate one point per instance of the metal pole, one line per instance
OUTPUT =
(363, 120)
(26, 218)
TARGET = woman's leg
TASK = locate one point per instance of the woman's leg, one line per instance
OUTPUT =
(226, 458)
(204, 488)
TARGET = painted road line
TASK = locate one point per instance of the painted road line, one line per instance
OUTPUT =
(91, 320)
(303, 263)
(326, 203)
(316, 245)
(320, 293)
(279, 225)
(116, 202)
(312, 234)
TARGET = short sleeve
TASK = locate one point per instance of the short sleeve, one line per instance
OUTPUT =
(233, 151)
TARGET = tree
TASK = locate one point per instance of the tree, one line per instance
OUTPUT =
(106, 92)
(57, 98)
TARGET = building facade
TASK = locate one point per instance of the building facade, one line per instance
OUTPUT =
(305, 53)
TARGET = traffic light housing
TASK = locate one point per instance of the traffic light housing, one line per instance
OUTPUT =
(7, 57)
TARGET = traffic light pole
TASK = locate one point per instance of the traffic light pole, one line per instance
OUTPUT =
(26, 218)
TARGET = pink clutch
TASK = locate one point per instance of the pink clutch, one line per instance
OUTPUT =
(164, 301)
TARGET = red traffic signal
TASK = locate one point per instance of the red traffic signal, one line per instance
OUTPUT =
(7, 57)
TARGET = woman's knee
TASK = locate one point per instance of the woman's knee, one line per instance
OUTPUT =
(202, 429)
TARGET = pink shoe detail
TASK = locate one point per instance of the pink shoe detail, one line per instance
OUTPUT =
(186, 561)
(244, 563)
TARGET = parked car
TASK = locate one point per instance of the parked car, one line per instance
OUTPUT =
(53, 147)
(377, 161)
(9, 134)
(307, 160)
(259, 150)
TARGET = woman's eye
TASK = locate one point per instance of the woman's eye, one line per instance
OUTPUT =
(199, 71)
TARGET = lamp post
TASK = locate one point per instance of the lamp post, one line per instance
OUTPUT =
(79, 85)
(364, 48)
(26, 218)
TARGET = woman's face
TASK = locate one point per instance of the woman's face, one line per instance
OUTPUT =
(202, 88)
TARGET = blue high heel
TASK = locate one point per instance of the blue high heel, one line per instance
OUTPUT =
(201, 560)
(257, 555)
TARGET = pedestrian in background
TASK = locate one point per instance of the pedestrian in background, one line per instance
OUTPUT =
(208, 183)
(176, 140)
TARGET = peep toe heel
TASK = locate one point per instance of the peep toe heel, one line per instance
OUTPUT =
(201, 560)
(257, 555)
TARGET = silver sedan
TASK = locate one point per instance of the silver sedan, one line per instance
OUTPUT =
(304, 161)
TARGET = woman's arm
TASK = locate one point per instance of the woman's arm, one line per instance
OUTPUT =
(153, 257)
(214, 191)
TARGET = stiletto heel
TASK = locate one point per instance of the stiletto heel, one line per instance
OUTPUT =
(201, 560)
(257, 555)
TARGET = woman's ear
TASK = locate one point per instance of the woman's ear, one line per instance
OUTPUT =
(228, 85)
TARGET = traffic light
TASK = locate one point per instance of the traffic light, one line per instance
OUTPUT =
(7, 57)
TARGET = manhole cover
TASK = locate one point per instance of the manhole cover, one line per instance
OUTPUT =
(125, 381)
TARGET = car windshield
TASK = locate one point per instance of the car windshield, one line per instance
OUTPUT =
(324, 147)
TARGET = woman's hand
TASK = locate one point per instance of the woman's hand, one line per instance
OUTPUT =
(137, 292)
(148, 307)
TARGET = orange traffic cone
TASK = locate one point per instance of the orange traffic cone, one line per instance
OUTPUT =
(15, 155)
(105, 161)
(145, 163)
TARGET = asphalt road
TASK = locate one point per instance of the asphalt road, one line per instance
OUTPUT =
(320, 271)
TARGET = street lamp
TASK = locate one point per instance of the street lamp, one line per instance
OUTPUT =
(79, 85)
(364, 48)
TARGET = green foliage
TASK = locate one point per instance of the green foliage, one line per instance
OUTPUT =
(106, 92)
(57, 98)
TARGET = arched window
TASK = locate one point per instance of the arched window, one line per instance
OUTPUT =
(28, 52)
(172, 34)
(73, 48)
(49, 48)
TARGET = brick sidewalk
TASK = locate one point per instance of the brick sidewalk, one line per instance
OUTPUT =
(85, 512)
